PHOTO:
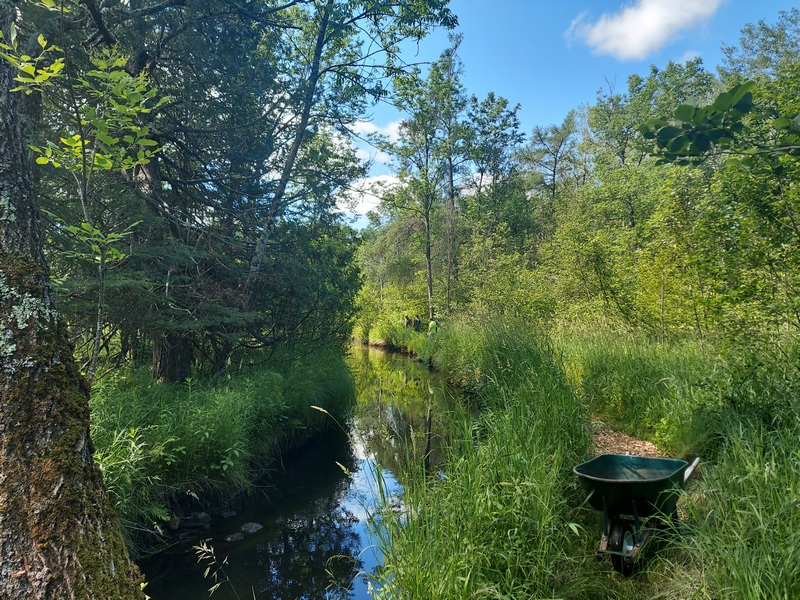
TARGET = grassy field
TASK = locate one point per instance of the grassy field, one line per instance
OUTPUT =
(504, 518)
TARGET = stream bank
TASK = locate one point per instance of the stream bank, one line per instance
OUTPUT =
(308, 522)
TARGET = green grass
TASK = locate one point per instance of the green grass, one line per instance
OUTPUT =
(504, 520)
(159, 444)
(640, 386)
(393, 335)
(737, 408)
(496, 523)
(745, 515)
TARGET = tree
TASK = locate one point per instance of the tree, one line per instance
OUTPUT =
(493, 139)
(599, 236)
(260, 91)
(749, 139)
(551, 151)
(763, 49)
(58, 533)
(426, 150)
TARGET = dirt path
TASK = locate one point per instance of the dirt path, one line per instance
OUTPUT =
(607, 441)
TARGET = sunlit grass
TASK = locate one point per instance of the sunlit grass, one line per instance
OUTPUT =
(738, 408)
(745, 515)
(161, 444)
(640, 386)
(502, 520)
(495, 524)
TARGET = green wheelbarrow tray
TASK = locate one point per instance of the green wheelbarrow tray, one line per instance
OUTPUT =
(621, 484)
(637, 495)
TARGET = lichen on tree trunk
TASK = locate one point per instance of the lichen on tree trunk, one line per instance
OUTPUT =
(59, 537)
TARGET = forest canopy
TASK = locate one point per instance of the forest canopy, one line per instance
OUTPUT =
(189, 161)
(669, 207)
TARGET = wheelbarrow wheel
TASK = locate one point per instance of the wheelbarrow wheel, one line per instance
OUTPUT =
(621, 541)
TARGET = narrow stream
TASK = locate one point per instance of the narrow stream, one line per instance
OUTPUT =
(314, 542)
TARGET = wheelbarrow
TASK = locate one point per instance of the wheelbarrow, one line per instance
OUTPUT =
(637, 495)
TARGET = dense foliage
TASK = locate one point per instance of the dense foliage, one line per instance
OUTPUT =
(669, 207)
(651, 239)
(190, 161)
(192, 158)
(173, 449)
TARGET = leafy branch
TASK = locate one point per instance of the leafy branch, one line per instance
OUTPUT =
(695, 131)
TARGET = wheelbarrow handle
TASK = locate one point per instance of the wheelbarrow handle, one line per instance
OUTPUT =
(690, 469)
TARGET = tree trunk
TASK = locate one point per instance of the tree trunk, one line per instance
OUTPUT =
(428, 261)
(59, 537)
(172, 357)
(291, 157)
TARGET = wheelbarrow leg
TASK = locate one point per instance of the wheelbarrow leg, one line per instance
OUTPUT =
(601, 550)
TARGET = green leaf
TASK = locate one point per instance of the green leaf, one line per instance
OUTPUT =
(745, 104)
(723, 102)
(701, 143)
(73, 142)
(738, 91)
(781, 123)
(700, 116)
(665, 134)
(685, 112)
(42, 160)
(678, 144)
(103, 162)
(107, 139)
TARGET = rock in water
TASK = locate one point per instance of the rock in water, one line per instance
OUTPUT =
(251, 527)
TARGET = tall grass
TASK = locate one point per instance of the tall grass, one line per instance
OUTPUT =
(495, 524)
(738, 408)
(160, 445)
(394, 335)
(641, 386)
(745, 515)
(501, 519)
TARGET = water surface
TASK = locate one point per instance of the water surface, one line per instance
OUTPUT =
(315, 542)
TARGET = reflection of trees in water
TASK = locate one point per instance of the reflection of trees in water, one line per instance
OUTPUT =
(393, 397)
(314, 551)
(309, 548)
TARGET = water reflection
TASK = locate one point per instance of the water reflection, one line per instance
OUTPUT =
(400, 405)
(315, 543)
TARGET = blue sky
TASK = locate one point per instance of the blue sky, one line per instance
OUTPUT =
(552, 56)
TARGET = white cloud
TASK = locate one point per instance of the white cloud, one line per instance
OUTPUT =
(365, 194)
(390, 130)
(374, 155)
(689, 55)
(641, 27)
(366, 148)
